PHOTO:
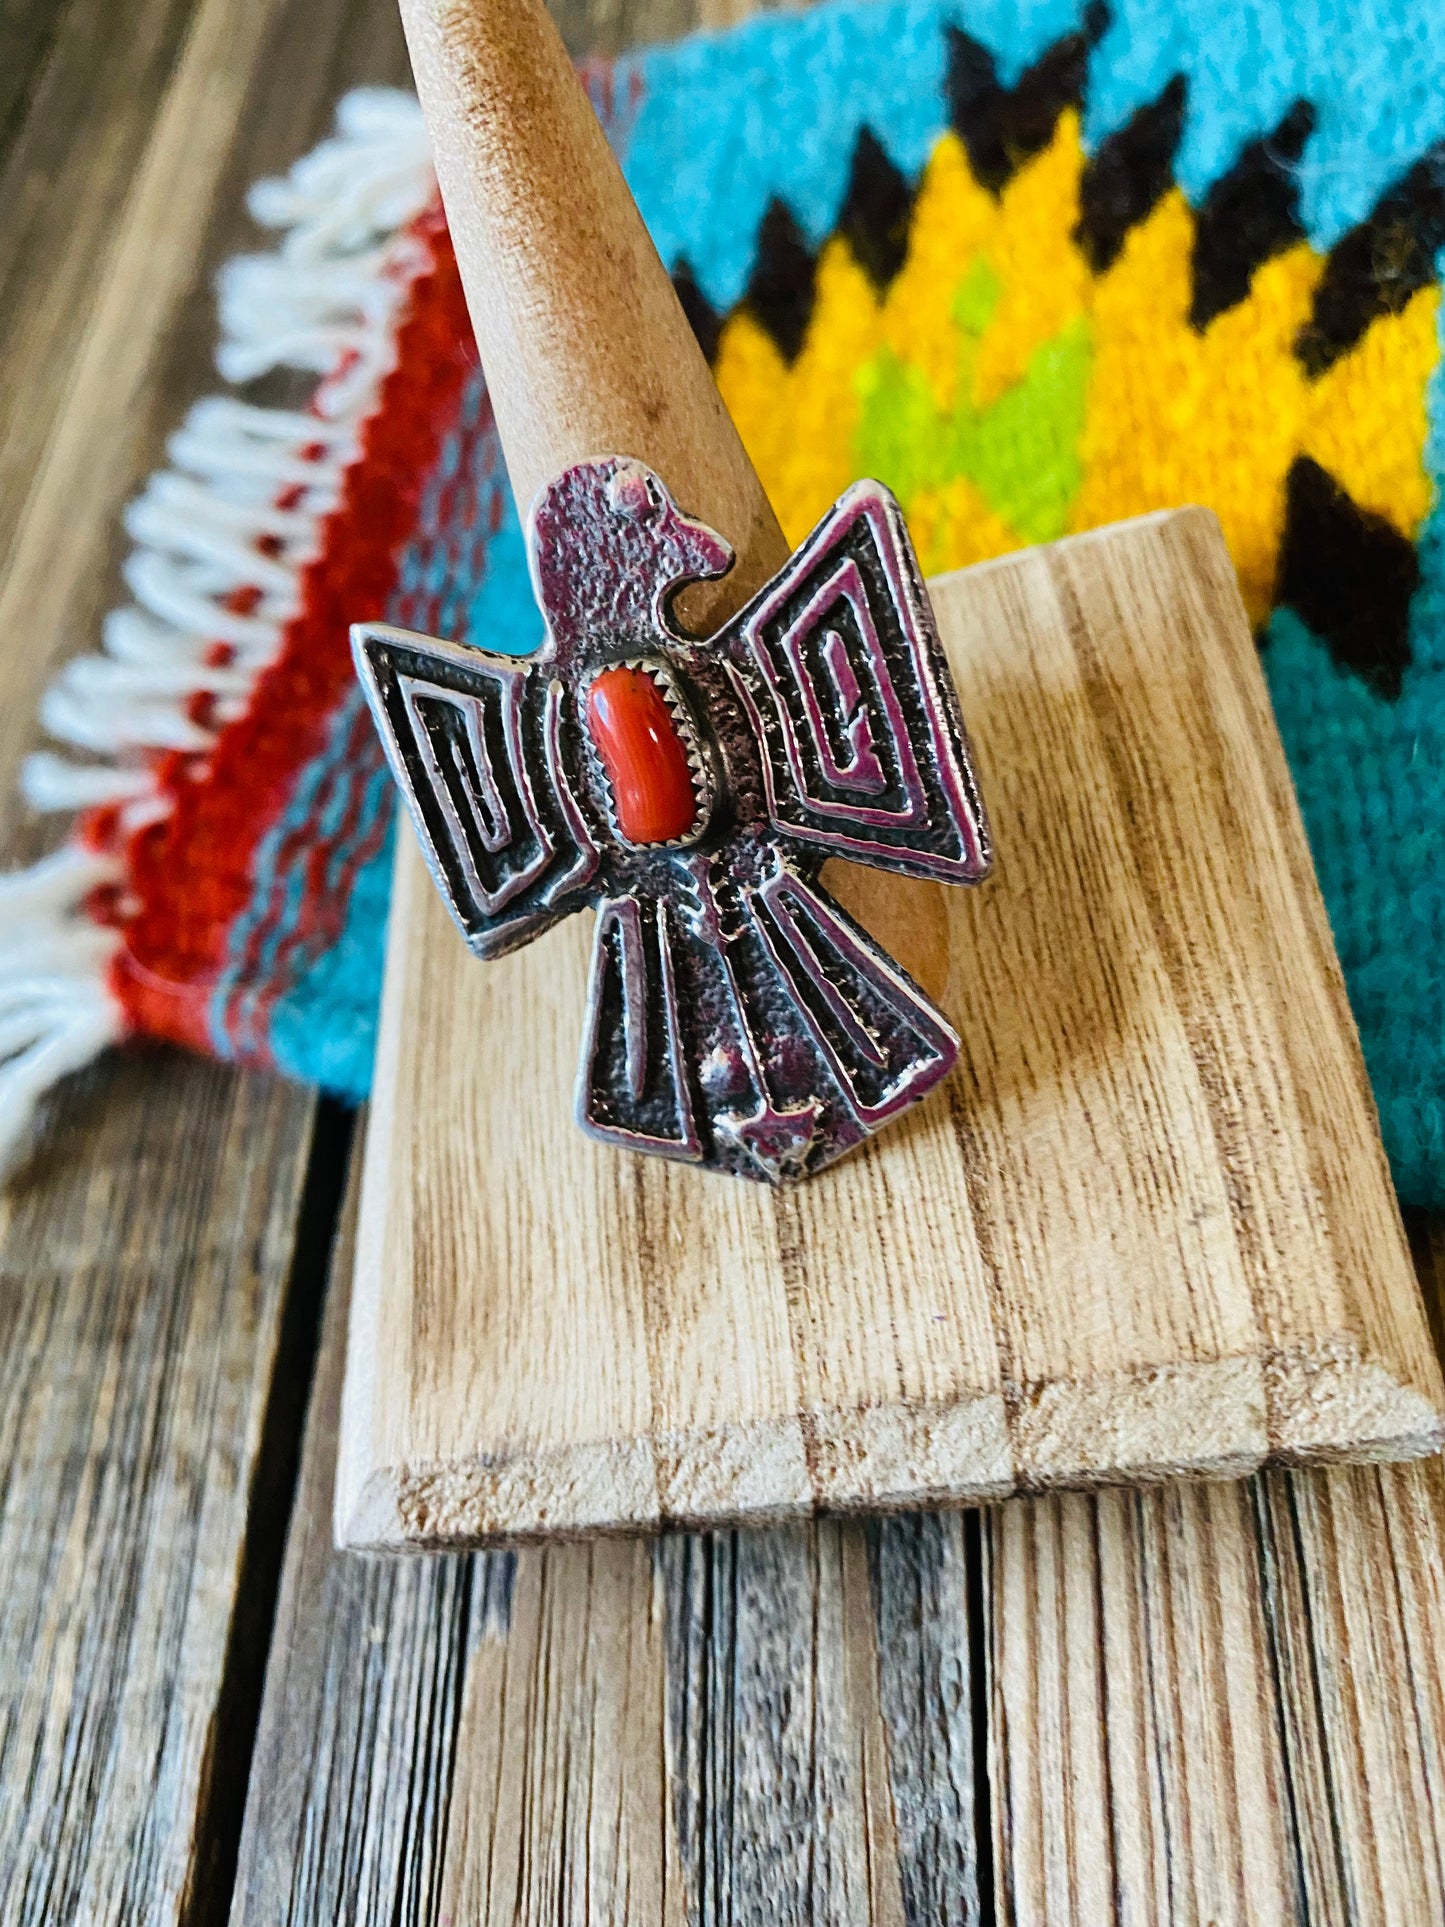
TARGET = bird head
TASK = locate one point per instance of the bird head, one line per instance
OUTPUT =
(610, 548)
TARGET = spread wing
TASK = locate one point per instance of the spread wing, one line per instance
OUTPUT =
(479, 747)
(839, 667)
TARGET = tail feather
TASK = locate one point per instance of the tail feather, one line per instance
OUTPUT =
(766, 1048)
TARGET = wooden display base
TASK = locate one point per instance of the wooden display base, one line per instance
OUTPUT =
(1146, 1230)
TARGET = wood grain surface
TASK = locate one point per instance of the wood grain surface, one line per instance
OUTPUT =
(1202, 1703)
(354, 1758)
(150, 1371)
(144, 1273)
(1147, 1229)
(1222, 1702)
(761, 1726)
(161, 1254)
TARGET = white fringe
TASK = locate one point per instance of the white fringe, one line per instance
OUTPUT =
(55, 1011)
(325, 302)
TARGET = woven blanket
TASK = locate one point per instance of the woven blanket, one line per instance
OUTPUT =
(1035, 265)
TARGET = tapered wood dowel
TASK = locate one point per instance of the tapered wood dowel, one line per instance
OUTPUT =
(585, 346)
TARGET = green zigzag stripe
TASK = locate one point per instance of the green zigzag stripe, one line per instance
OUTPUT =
(1021, 452)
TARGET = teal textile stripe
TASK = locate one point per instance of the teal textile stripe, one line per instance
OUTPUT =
(1370, 775)
(721, 126)
(774, 108)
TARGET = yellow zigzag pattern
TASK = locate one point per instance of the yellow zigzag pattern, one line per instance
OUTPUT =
(992, 289)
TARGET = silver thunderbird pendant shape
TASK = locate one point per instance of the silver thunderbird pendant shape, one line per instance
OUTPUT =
(690, 790)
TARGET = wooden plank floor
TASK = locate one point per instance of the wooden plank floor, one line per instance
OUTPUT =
(1207, 1704)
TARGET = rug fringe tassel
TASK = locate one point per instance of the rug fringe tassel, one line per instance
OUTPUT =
(56, 1012)
(221, 539)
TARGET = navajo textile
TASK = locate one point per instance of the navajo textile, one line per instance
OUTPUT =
(1035, 265)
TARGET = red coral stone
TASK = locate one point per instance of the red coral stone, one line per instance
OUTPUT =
(644, 756)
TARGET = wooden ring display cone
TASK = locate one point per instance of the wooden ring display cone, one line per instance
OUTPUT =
(1145, 1229)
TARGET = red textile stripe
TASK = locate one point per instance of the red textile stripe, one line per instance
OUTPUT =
(472, 491)
(192, 872)
(323, 910)
(326, 898)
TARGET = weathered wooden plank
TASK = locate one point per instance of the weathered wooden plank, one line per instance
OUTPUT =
(558, 1806)
(926, 1587)
(1355, 1565)
(740, 1727)
(1222, 1703)
(160, 1255)
(777, 1748)
(352, 1766)
(1133, 1718)
(80, 85)
(144, 1264)
(29, 30)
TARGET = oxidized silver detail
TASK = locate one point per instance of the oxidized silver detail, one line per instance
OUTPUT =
(737, 1017)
